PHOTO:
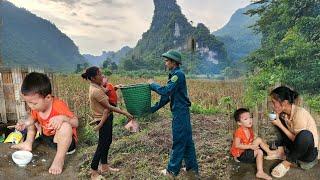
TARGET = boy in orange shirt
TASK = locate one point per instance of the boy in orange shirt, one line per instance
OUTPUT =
(57, 122)
(245, 148)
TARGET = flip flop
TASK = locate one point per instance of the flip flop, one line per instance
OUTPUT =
(279, 171)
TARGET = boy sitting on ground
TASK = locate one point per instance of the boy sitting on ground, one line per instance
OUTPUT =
(57, 122)
(245, 148)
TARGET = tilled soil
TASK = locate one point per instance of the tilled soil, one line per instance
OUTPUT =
(142, 155)
(37, 168)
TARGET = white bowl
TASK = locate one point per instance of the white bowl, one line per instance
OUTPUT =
(272, 116)
(22, 158)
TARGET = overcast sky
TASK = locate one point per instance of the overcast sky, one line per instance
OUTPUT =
(104, 25)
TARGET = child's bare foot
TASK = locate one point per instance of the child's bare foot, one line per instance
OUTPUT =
(273, 153)
(94, 175)
(56, 166)
(105, 168)
(263, 175)
(26, 146)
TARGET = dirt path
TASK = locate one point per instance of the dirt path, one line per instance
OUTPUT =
(37, 168)
(143, 155)
(247, 171)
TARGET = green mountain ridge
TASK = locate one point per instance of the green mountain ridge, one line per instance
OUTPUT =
(115, 56)
(28, 40)
(239, 39)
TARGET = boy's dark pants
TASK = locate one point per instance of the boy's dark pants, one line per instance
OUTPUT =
(183, 145)
(105, 140)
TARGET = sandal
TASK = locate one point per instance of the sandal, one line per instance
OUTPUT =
(308, 165)
(279, 171)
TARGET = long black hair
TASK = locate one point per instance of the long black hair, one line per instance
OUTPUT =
(90, 73)
(283, 93)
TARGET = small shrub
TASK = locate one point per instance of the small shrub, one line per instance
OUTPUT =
(314, 102)
(198, 109)
(88, 136)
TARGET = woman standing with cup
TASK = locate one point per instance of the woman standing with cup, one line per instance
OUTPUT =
(298, 130)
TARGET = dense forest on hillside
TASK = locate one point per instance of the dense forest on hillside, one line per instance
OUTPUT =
(290, 49)
(238, 36)
(28, 40)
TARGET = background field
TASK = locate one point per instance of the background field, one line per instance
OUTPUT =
(144, 154)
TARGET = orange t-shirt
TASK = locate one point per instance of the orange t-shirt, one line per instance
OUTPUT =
(239, 133)
(58, 108)
(112, 94)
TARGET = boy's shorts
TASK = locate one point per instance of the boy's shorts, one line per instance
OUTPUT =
(247, 156)
(49, 141)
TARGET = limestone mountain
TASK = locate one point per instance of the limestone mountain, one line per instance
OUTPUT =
(113, 56)
(28, 40)
(239, 39)
(170, 29)
(97, 60)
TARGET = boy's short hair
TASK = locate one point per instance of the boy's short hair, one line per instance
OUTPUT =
(238, 113)
(36, 83)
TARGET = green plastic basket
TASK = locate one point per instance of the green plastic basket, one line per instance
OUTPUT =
(137, 98)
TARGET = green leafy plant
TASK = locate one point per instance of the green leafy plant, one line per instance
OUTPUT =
(313, 102)
(227, 104)
(88, 136)
(198, 109)
(259, 84)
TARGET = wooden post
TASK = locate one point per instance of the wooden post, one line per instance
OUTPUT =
(8, 90)
(261, 123)
(3, 114)
(52, 80)
(256, 121)
(20, 105)
(232, 123)
(1, 27)
(264, 121)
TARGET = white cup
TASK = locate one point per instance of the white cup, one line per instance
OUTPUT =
(272, 116)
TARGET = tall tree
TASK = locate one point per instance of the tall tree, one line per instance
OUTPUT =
(290, 42)
(106, 63)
